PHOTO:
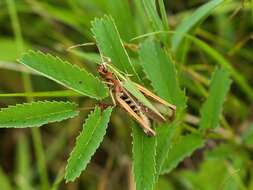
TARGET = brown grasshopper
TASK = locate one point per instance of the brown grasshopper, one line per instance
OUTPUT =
(141, 113)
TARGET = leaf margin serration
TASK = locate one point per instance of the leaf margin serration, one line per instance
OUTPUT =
(49, 56)
(47, 121)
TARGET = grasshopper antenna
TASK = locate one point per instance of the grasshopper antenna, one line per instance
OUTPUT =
(81, 45)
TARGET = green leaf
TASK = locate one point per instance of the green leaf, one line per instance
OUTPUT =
(212, 108)
(87, 142)
(142, 24)
(143, 159)
(36, 114)
(161, 70)
(180, 150)
(165, 133)
(111, 45)
(212, 174)
(23, 164)
(153, 16)
(190, 22)
(5, 181)
(116, 8)
(247, 136)
(163, 15)
(8, 50)
(237, 76)
(64, 73)
(150, 8)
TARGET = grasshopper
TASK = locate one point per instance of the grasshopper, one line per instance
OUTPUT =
(135, 108)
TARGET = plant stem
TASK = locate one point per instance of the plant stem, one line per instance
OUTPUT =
(41, 163)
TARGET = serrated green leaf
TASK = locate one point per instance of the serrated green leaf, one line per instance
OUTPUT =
(190, 22)
(180, 150)
(212, 108)
(161, 71)
(142, 24)
(111, 45)
(144, 152)
(151, 12)
(87, 142)
(165, 133)
(64, 73)
(116, 8)
(36, 114)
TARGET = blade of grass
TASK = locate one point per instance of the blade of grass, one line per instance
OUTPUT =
(5, 181)
(116, 8)
(239, 79)
(180, 150)
(60, 93)
(252, 7)
(141, 23)
(190, 23)
(164, 15)
(23, 163)
(212, 108)
(41, 163)
(156, 22)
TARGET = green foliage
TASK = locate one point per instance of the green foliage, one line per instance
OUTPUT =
(36, 114)
(64, 73)
(155, 20)
(144, 153)
(115, 8)
(238, 77)
(8, 50)
(181, 149)
(111, 46)
(23, 164)
(192, 21)
(87, 142)
(151, 11)
(4, 181)
(212, 175)
(212, 108)
(247, 136)
(223, 167)
(161, 71)
(175, 64)
(165, 134)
